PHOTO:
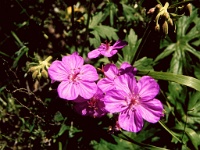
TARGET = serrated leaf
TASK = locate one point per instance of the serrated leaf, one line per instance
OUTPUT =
(130, 50)
(170, 49)
(144, 64)
(58, 117)
(63, 128)
(98, 18)
(106, 32)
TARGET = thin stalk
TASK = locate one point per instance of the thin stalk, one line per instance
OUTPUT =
(180, 3)
(73, 29)
(148, 146)
(168, 130)
(142, 43)
(87, 25)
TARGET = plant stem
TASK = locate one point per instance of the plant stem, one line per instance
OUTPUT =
(73, 29)
(87, 25)
(142, 43)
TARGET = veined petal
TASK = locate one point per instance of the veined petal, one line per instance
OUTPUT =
(114, 101)
(57, 71)
(73, 61)
(94, 54)
(119, 44)
(148, 88)
(126, 83)
(151, 110)
(87, 89)
(110, 71)
(127, 68)
(88, 73)
(68, 90)
(131, 120)
(109, 53)
(106, 84)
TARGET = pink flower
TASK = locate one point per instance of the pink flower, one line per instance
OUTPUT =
(107, 50)
(134, 101)
(111, 72)
(76, 79)
(93, 107)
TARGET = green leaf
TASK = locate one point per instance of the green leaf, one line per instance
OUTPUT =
(58, 117)
(106, 32)
(130, 50)
(144, 64)
(181, 79)
(98, 18)
(170, 49)
(193, 136)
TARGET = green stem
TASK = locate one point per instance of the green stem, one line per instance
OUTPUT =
(142, 43)
(168, 130)
(180, 3)
(87, 25)
(147, 146)
(73, 29)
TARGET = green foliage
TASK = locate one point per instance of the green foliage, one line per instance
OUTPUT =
(33, 117)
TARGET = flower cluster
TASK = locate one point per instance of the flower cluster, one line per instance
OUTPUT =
(117, 92)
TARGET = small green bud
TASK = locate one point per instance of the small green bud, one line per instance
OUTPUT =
(188, 9)
(166, 15)
(170, 21)
(35, 73)
(44, 73)
(157, 28)
(165, 28)
(32, 69)
(158, 7)
(39, 76)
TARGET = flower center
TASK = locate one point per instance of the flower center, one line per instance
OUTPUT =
(92, 103)
(133, 100)
(106, 46)
(73, 77)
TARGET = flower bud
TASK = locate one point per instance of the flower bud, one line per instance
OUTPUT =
(170, 21)
(44, 73)
(188, 9)
(157, 28)
(158, 7)
(166, 15)
(39, 76)
(35, 73)
(165, 28)
(32, 69)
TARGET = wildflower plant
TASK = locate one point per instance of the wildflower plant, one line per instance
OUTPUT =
(115, 75)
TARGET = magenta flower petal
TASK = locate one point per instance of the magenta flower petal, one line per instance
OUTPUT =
(94, 54)
(115, 101)
(93, 107)
(119, 44)
(86, 89)
(73, 61)
(109, 53)
(127, 68)
(130, 99)
(106, 84)
(57, 71)
(110, 71)
(130, 120)
(126, 83)
(151, 110)
(148, 88)
(88, 73)
(76, 79)
(67, 90)
(106, 49)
